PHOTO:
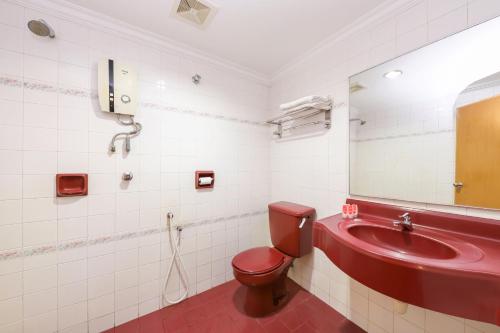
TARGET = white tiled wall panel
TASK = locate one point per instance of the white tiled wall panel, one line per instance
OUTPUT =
(314, 170)
(44, 131)
(372, 311)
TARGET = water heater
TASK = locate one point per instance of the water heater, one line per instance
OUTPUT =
(117, 85)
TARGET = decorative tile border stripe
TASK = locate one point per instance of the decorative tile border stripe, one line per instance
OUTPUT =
(21, 253)
(10, 82)
(34, 85)
(222, 218)
(388, 137)
(201, 114)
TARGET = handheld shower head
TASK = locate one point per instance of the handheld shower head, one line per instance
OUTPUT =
(41, 28)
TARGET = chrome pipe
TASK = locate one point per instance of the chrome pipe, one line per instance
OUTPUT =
(302, 117)
(136, 131)
(127, 143)
(326, 123)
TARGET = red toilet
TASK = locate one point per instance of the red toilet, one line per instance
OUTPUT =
(263, 270)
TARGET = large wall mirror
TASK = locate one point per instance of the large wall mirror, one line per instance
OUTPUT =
(425, 127)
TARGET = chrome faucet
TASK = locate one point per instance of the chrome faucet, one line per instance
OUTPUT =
(136, 131)
(406, 223)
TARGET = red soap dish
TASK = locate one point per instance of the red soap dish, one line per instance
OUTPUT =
(71, 184)
(203, 174)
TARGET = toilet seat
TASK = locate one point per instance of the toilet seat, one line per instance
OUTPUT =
(258, 260)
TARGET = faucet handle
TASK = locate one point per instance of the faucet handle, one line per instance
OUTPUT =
(406, 223)
(404, 216)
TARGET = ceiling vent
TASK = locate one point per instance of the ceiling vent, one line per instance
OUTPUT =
(355, 87)
(196, 12)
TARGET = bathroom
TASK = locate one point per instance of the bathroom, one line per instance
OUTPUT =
(219, 191)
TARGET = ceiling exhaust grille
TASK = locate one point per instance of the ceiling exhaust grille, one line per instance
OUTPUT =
(197, 12)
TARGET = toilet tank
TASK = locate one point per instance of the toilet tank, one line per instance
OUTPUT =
(286, 234)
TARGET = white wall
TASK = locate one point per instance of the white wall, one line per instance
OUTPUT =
(314, 171)
(88, 263)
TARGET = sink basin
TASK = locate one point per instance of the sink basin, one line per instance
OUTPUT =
(448, 263)
(409, 243)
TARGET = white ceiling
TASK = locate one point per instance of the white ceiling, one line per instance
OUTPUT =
(262, 35)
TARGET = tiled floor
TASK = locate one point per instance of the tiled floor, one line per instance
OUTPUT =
(218, 310)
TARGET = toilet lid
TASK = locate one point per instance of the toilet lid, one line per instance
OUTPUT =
(258, 260)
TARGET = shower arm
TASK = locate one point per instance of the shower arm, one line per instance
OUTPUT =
(136, 131)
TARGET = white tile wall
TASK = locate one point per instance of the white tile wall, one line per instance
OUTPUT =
(369, 309)
(294, 164)
(44, 130)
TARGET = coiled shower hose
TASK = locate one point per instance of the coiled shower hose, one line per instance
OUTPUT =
(176, 258)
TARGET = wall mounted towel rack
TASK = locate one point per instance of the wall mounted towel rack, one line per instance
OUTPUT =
(300, 114)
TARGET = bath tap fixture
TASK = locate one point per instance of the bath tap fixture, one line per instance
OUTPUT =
(406, 223)
(136, 131)
(127, 176)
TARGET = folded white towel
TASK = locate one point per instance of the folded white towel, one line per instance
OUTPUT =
(321, 106)
(304, 100)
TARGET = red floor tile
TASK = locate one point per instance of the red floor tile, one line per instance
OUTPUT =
(129, 327)
(292, 319)
(220, 310)
(173, 320)
(276, 326)
(305, 328)
(152, 322)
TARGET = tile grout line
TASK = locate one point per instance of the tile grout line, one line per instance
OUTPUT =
(41, 86)
(22, 189)
(389, 137)
(21, 253)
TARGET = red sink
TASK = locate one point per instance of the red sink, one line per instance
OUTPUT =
(402, 242)
(448, 263)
